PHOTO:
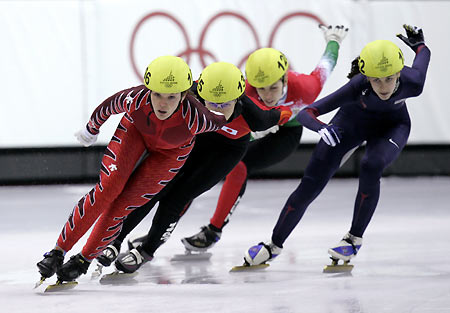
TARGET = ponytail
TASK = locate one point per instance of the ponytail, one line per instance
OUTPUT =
(354, 69)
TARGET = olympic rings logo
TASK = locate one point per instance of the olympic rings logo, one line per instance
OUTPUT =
(200, 50)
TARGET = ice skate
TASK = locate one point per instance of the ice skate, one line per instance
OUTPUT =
(256, 257)
(49, 265)
(117, 277)
(108, 256)
(133, 260)
(126, 266)
(68, 272)
(61, 286)
(344, 251)
(191, 256)
(202, 241)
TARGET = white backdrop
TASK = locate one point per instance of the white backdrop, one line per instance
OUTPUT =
(60, 59)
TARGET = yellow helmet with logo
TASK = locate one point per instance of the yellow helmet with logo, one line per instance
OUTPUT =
(265, 67)
(380, 58)
(168, 74)
(221, 82)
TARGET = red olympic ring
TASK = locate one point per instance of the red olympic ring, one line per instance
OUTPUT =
(200, 50)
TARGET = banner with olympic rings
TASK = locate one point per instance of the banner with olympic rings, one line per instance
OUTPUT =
(71, 55)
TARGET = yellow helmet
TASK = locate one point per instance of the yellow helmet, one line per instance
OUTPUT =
(265, 67)
(221, 82)
(168, 74)
(380, 58)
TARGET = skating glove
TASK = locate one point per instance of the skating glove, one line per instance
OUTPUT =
(414, 37)
(85, 137)
(336, 33)
(331, 135)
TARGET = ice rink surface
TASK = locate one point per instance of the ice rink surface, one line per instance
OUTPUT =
(403, 265)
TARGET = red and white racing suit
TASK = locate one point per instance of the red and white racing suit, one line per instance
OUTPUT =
(126, 181)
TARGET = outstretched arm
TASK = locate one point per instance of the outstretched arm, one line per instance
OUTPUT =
(417, 73)
(308, 117)
(126, 100)
(311, 85)
(334, 37)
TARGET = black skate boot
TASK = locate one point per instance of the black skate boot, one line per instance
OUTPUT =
(133, 260)
(73, 268)
(203, 240)
(51, 263)
(109, 254)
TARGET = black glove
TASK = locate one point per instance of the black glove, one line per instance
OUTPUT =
(415, 37)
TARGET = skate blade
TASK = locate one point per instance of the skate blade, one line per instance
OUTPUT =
(191, 256)
(97, 272)
(341, 268)
(61, 286)
(40, 282)
(117, 277)
(249, 268)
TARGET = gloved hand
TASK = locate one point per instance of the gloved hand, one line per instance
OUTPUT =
(415, 37)
(285, 114)
(331, 134)
(85, 137)
(264, 133)
(336, 33)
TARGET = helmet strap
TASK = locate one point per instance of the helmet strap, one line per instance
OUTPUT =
(397, 84)
(284, 93)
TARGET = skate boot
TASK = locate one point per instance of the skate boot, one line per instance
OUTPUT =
(261, 253)
(347, 248)
(51, 263)
(203, 240)
(109, 254)
(73, 268)
(132, 261)
(133, 244)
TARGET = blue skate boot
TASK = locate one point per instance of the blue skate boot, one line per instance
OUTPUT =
(257, 256)
(345, 250)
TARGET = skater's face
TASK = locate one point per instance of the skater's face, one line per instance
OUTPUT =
(384, 87)
(164, 104)
(271, 94)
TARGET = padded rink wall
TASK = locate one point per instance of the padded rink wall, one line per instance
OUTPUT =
(60, 59)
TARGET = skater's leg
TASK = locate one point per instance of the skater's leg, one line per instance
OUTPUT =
(232, 190)
(134, 218)
(210, 151)
(163, 224)
(111, 252)
(146, 182)
(324, 162)
(261, 154)
(380, 153)
(116, 167)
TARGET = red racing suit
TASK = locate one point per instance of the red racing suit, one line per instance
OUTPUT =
(125, 183)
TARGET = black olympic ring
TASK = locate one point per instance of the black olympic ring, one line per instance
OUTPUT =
(200, 50)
